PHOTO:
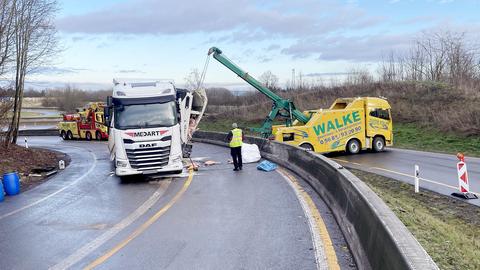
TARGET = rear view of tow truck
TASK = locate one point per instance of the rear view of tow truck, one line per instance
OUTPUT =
(88, 123)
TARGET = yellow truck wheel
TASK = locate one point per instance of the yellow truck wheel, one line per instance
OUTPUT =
(378, 144)
(88, 136)
(307, 146)
(63, 134)
(353, 146)
(69, 135)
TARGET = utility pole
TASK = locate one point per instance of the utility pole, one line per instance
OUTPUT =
(293, 78)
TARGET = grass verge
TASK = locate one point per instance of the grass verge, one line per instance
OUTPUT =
(447, 228)
(410, 136)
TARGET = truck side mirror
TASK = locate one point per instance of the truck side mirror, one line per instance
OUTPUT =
(106, 111)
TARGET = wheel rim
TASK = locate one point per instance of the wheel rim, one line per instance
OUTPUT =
(379, 144)
(98, 136)
(354, 147)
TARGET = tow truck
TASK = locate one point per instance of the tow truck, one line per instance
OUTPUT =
(88, 123)
(350, 124)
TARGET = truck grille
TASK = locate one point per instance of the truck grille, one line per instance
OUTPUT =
(148, 158)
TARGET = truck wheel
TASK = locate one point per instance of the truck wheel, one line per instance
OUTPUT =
(64, 135)
(378, 144)
(306, 146)
(353, 147)
(88, 136)
(98, 135)
(69, 135)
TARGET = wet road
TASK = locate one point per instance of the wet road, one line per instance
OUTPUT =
(437, 171)
(86, 218)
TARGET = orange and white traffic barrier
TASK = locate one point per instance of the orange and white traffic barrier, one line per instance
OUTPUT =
(463, 179)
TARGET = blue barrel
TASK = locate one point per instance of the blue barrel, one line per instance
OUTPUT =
(2, 196)
(11, 183)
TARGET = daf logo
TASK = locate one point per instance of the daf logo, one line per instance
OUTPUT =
(147, 145)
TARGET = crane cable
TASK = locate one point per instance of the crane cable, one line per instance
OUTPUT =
(204, 72)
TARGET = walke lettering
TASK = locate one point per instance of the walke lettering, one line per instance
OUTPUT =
(345, 120)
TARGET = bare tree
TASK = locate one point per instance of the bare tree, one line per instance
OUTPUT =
(269, 79)
(35, 42)
(441, 56)
(193, 80)
(6, 33)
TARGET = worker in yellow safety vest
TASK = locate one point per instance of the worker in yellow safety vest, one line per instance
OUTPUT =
(235, 139)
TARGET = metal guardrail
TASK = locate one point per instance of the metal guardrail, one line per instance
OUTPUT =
(377, 238)
(38, 132)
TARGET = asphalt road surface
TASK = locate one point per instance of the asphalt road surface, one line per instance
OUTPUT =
(85, 218)
(438, 172)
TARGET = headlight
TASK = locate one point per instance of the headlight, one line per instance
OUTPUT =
(122, 163)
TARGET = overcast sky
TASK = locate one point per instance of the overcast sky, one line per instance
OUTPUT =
(105, 39)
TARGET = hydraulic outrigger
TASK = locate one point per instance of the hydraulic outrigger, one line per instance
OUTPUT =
(283, 108)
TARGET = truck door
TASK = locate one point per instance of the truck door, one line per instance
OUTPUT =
(379, 123)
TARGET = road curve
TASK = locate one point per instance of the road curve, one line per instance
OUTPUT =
(437, 171)
(214, 219)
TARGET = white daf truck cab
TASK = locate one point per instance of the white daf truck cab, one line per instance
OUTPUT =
(150, 125)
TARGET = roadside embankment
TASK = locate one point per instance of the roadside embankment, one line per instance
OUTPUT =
(446, 227)
(377, 238)
(33, 164)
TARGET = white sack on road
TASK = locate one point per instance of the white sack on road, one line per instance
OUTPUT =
(250, 153)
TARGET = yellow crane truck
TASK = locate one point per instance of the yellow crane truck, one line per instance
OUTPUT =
(350, 124)
(88, 123)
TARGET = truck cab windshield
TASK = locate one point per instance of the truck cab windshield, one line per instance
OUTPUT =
(145, 115)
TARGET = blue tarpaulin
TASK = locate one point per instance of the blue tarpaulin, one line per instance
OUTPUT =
(267, 166)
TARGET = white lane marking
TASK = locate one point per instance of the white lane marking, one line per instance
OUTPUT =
(88, 248)
(320, 256)
(407, 175)
(56, 192)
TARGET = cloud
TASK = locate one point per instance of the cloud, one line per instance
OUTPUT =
(351, 48)
(130, 71)
(241, 19)
(58, 70)
(273, 47)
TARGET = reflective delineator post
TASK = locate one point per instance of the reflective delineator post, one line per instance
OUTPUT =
(417, 180)
(61, 165)
(26, 143)
(463, 180)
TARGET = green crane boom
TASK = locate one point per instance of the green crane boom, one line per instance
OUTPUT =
(281, 107)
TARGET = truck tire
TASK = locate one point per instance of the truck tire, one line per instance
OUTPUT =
(88, 136)
(69, 135)
(378, 144)
(353, 146)
(98, 135)
(307, 146)
(63, 134)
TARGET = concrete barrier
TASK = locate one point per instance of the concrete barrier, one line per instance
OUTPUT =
(376, 237)
(39, 132)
